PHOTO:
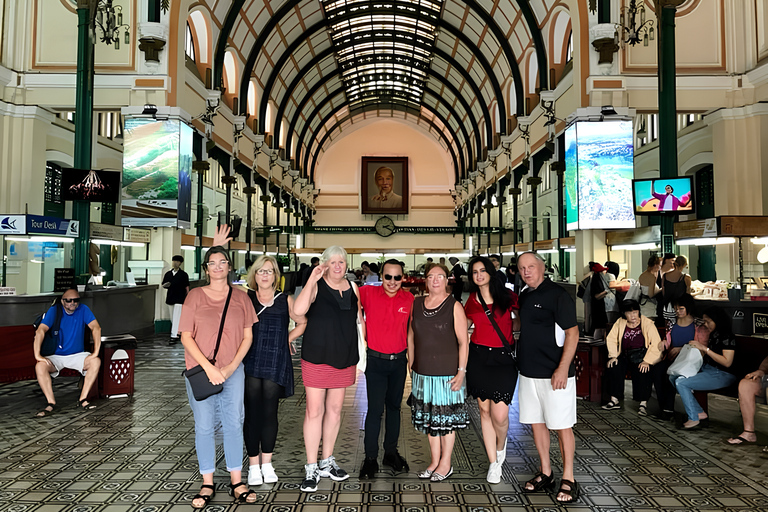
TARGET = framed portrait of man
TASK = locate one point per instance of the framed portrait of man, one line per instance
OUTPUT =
(384, 184)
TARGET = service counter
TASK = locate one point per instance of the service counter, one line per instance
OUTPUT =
(741, 312)
(118, 310)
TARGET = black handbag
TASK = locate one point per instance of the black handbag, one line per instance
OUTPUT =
(505, 357)
(636, 355)
(202, 388)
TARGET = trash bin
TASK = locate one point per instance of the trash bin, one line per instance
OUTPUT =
(117, 365)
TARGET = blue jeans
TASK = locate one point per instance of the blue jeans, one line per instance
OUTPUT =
(226, 408)
(708, 378)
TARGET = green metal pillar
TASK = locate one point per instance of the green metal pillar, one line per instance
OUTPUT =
(81, 210)
(200, 168)
(665, 12)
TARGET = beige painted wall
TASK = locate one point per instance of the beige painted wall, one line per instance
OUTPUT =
(430, 172)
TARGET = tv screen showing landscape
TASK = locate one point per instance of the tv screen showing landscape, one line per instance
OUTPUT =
(599, 158)
(90, 185)
(571, 179)
(663, 195)
(156, 177)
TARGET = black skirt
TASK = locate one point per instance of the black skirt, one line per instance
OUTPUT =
(486, 378)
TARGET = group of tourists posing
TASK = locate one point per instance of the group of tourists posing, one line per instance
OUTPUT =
(426, 336)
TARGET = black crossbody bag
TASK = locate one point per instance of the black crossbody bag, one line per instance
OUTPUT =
(506, 357)
(202, 388)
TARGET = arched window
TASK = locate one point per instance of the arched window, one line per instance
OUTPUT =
(251, 98)
(569, 49)
(199, 27)
(533, 72)
(559, 36)
(268, 120)
(512, 102)
(189, 44)
(230, 73)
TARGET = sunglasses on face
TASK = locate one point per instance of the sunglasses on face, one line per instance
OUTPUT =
(389, 277)
(76, 300)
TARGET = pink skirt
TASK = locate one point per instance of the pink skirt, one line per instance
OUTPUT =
(323, 376)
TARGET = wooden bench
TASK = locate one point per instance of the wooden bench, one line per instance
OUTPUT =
(18, 361)
(750, 352)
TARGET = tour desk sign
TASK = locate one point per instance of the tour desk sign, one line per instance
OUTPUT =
(38, 225)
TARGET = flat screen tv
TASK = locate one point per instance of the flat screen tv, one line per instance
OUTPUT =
(90, 185)
(655, 196)
(599, 160)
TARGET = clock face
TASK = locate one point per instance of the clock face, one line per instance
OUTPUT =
(385, 226)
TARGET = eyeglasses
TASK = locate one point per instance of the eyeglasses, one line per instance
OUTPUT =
(75, 300)
(436, 276)
(396, 278)
(221, 263)
(265, 271)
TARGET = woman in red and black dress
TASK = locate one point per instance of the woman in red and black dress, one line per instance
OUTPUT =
(491, 371)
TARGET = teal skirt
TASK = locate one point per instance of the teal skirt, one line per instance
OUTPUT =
(436, 409)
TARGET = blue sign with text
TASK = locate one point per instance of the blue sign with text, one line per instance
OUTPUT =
(40, 225)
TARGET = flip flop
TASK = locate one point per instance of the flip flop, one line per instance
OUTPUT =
(739, 441)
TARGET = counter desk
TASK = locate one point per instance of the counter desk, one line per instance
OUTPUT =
(744, 313)
(118, 311)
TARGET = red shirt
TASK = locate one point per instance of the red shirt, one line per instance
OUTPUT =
(484, 333)
(386, 318)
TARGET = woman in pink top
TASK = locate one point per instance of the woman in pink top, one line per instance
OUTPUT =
(200, 320)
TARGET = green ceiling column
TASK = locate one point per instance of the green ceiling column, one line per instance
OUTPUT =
(665, 12)
(83, 129)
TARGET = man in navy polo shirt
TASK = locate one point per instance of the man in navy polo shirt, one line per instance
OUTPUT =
(387, 310)
(70, 349)
(547, 386)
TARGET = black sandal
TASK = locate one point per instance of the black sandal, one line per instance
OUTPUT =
(540, 481)
(45, 412)
(85, 405)
(205, 497)
(573, 491)
(242, 497)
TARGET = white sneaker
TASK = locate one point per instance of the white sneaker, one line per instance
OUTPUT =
(270, 477)
(494, 473)
(312, 478)
(254, 475)
(501, 455)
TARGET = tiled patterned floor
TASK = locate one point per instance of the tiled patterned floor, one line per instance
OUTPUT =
(138, 455)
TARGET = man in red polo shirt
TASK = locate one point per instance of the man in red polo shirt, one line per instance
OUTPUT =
(387, 310)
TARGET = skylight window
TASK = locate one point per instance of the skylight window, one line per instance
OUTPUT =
(383, 48)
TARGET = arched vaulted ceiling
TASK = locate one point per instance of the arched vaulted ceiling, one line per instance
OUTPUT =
(447, 65)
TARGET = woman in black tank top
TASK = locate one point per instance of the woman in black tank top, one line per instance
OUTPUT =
(328, 358)
(438, 348)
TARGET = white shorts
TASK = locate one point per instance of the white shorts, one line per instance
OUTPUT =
(539, 403)
(72, 361)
